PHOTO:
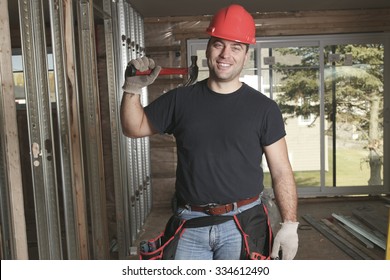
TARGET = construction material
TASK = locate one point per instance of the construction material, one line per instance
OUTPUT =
(13, 238)
(342, 231)
(376, 240)
(345, 234)
(388, 235)
(134, 190)
(339, 241)
(40, 132)
(373, 221)
(361, 238)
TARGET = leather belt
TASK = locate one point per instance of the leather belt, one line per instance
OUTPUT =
(219, 209)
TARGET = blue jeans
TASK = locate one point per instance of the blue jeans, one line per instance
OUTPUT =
(216, 242)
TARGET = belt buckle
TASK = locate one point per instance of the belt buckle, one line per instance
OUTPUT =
(209, 208)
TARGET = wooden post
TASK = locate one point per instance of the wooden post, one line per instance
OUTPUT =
(92, 130)
(388, 235)
(75, 129)
(11, 141)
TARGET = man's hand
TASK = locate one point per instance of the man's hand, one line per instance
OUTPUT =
(286, 240)
(136, 83)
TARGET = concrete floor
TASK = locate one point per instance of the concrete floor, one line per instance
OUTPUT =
(312, 244)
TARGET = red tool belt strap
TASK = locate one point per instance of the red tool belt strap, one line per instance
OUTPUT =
(219, 209)
(253, 224)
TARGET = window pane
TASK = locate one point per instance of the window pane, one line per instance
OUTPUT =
(354, 87)
(17, 65)
(291, 77)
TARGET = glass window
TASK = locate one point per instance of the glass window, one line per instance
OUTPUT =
(17, 65)
(354, 90)
(290, 75)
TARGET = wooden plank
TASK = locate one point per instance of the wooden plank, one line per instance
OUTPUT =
(323, 13)
(280, 15)
(92, 130)
(11, 141)
(288, 31)
(388, 235)
(287, 23)
(75, 131)
(357, 19)
(163, 49)
(178, 19)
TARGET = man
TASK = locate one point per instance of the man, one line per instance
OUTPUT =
(222, 127)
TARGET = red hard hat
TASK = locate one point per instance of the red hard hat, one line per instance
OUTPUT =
(233, 23)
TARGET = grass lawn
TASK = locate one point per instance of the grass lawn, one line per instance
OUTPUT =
(352, 170)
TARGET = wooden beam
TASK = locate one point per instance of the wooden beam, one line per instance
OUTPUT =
(388, 235)
(281, 16)
(170, 48)
(75, 130)
(92, 130)
(11, 141)
(288, 23)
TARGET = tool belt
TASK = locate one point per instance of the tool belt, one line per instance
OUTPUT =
(253, 224)
(219, 209)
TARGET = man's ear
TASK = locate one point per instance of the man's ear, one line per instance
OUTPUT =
(246, 57)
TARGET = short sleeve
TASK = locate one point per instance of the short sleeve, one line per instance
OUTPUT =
(273, 128)
(160, 112)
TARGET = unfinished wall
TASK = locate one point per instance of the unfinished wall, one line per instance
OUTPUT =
(166, 40)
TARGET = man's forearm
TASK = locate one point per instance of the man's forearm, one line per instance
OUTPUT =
(286, 198)
(134, 122)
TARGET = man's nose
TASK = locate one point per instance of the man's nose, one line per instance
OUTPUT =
(225, 52)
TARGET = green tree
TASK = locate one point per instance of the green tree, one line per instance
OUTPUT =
(353, 82)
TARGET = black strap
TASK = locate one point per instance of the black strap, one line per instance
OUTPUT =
(206, 221)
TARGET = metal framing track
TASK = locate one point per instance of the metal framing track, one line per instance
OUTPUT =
(80, 154)
(112, 35)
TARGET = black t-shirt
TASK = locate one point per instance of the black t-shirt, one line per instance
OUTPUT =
(219, 140)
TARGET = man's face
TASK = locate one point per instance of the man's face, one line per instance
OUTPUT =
(225, 59)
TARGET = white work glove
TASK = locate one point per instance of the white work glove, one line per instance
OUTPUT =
(135, 84)
(287, 240)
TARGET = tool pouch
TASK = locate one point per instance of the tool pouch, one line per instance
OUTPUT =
(256, 233)
(163, 247)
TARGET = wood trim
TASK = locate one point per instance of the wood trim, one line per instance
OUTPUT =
(289, 23)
